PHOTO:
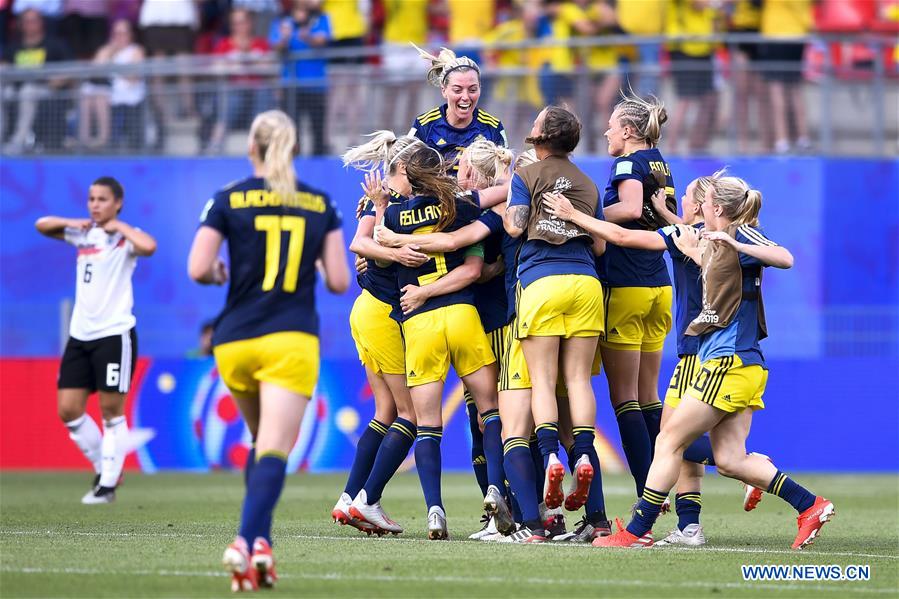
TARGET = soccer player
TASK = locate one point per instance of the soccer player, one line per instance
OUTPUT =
(635, 282)
(441, 326)
(730, 382)
(390, 434)
(101, 352)
(266, 339)
(452, 127)
(559, 304)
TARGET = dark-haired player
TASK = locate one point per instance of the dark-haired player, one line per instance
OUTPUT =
(102, 348)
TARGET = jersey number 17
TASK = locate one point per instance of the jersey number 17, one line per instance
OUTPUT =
(273, 226)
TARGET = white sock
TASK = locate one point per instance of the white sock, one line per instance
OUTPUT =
(115, 438)
(86, 435)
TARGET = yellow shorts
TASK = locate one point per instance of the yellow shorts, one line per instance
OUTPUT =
(513, 370)
(443, 336)
(379, 339)
(561, 306)
(726, 384)
(637, 318)
(288, 360)
(680, 379)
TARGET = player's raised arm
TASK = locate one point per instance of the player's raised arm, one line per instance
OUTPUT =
(336, 272)
(143, 243)
(55, 226)
(204, 264)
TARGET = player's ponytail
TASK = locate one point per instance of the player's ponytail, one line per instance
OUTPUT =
(488, 160)
(371, 154)
(444, 63)
(739, 203)
(275, 136)
(525, 158)
(561, 131)
(427, 177)
(644, 116)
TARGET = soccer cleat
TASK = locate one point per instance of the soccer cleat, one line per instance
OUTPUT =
(580, 484)
(341, 511)
(495, 505)
(264, 563)
(489, 528)
(554, 524)
(373, 514)
(437, 524)
(552, 485)
(753, 494)
(624, 538)
(811, 520)
(237, 561)
(525, 535)
(585, 531)
(99, 495)
(691, 536)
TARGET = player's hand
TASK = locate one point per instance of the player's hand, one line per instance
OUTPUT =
(720, 237)
(413, 298)
(658, 200)
(361, 265)
(360, 206)
(84, 224)
(409, 255)
(375, 188)
(558, 205)
(219, 272)
(386, 237)
(687, 237)
(111, 226)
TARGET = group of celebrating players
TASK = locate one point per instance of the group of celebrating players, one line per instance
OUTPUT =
(518, 273)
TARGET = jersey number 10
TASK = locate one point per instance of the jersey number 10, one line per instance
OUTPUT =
(273, 226)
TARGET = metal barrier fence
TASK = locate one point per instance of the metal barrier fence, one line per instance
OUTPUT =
(739, 99)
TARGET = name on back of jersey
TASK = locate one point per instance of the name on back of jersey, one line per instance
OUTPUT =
(262, 198)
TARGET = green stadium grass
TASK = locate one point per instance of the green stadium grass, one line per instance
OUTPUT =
(165, 535)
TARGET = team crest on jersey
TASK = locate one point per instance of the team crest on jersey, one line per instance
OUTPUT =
(562, 184)
(441, 142)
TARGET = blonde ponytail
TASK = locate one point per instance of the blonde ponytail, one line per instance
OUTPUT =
(275, 136)
(371, 154)
(445, 63)
(644, 116)
(525, 158)
(488, 160)
(739, 203)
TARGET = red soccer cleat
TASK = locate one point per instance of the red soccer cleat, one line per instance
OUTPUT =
(580, 486)
(552, 484)
(237, 561)
(811, 520)
(264, 563)
(624, 538)
(752, 498)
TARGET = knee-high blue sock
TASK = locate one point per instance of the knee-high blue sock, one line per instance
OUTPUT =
(652, 416)
(688, 506)
(700, 451)
(427, 461)
(520, 470)
(583, 445)
(647, 511)
(393, 450)
(634, 441)
(792, 492)
(366, 450)
(513, 501)
(248, 467)
(493, 449)
(548, 440)
(478, 457)
(264, 489)
(537, 458)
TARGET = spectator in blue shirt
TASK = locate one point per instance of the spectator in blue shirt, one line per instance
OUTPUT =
(304, 80)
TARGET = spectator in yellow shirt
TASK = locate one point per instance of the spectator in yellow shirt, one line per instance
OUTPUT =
(349, 26)
(561, 22)
(644, 18)
(749, 89)
(405, 21)
(602, 62)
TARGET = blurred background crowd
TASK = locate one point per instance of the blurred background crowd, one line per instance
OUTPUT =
(187, 76)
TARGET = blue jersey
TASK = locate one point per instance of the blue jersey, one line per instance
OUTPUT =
(380, 281)
(510, 248)
(433, 129)
(490, 297)
(539, 259)
(272, 248)
(627, 267)
(688, 290)
(419, 215)
(743, 334)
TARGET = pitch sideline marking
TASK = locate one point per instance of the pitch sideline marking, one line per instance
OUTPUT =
(391, 539)
(453, 579)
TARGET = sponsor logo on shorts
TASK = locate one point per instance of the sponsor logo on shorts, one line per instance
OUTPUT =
(516, 377)
(412, 373)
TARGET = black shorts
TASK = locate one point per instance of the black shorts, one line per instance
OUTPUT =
(105, 364)
(350, 42)
(785, 61)
(693, 75)
(168, 39)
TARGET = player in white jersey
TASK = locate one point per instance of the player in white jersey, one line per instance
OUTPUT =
(102, 346)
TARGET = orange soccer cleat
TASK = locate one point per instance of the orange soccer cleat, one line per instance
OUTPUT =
(237, 561)
(553, 496)
(624, 538)
(580, 486)
(264, 563)
(811, 520)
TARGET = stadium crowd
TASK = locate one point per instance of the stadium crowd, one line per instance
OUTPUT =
(115, 113)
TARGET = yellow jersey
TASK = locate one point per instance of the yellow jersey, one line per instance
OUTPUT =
(470, 20)
(406, 21)
(786, 17)
(642, 17)
(347, 20)
(685, 18)
(747, 16)
(560, 58)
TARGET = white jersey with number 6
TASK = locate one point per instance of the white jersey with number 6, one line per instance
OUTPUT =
(103, 295)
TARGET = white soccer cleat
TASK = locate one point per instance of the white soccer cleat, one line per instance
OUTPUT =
(341, 511)
(437, 524)
(495, 505)
(488, 529)
(690, 536)
(373, 514)
(236, 560)
(99, 495)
